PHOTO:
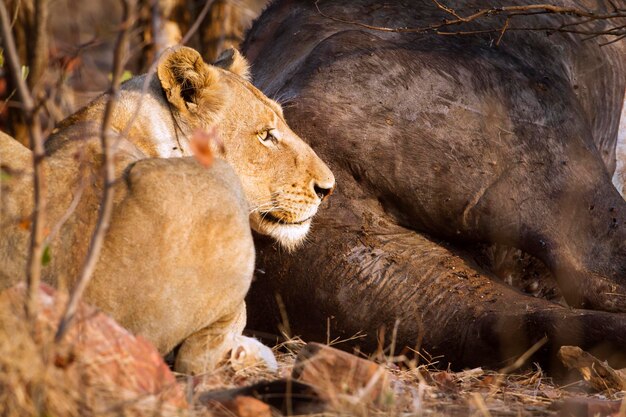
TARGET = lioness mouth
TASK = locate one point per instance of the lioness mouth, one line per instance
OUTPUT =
(267, 216)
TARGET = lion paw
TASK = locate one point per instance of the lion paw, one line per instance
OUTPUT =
(247, 352)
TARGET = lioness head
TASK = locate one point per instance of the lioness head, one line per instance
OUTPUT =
(283, 179)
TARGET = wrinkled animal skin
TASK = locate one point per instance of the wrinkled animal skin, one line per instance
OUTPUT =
(441, 143)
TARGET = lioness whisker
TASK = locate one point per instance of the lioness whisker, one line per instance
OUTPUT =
(267, 206)
(264, 200)
(264, 210)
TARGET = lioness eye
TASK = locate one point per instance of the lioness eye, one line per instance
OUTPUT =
(267, 136)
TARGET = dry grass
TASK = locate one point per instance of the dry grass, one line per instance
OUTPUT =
(426, 391)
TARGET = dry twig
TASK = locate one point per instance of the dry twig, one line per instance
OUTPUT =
(30, 112)
(197, 23)
(508, 12)
(38, 46)
(106, 204)
(525, 356)
(151, 22)
(29, 32)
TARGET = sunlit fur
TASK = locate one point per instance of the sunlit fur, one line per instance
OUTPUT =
(279, 172)
(178, 257)
(290, 236)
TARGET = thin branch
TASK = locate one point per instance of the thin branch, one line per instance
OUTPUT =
(106, 204)
(13, 61)
(18, 4)
(156, 27)
(78, 194)
(197, 23)
(614, 40)
(507, 12)
(580, 22)
(448, 10)
(30, 115)
(144, 91)
(524, 357)
(504, 28)
(617, 31)
(528, 29)
(38, 46)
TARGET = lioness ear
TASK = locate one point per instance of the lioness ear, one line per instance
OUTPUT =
(234, 62)
(189, 82)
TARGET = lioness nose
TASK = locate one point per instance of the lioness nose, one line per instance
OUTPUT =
(323, 182)
(323, 190)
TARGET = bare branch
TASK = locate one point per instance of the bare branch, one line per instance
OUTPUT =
(13, 61)
(197, 23)
(504, 28)
(38, 46)
(449, 10)
(30, 115)
(150, 22)
(78, 194)
(29, 30)
(106, 204)
(507, 12)
(156, 27)
(614, 40)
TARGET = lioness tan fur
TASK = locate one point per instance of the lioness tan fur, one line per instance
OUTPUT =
(178, 257)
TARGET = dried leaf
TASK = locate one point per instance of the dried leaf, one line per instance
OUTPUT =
(489, 381)
(70, 63)
(202, 144)
(25, 223)
(446, 381)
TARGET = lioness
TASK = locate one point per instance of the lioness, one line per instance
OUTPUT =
(178, 257)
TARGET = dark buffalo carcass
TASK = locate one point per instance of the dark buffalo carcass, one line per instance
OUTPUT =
(440, 143)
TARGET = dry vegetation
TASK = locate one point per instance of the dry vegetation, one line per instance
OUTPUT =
(43, 381)
(425, 390)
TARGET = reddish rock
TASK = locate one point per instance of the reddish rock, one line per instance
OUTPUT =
(335, 373)
(97, 353)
